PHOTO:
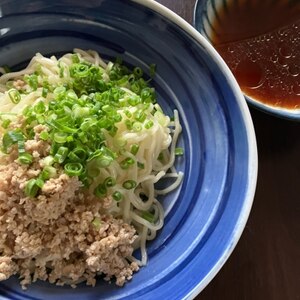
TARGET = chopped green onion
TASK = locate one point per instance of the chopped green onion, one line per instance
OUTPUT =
(78, 154)
(149, 124)
(134, 100)
(40, 107)
(39, 182)
(140, 116)
(141, 165)
(83, 138)
(11, 137)
(145, 93)
(135, 88)
(44, 135)
(45, 92)
(21, 146)
(179, 151)
(152, 70)
(40, 119)
(60, 137)
(60, 126)
(138, 72)
(134, 149)
(80, 112)
(109, 182)
(59, 91)
(31, 188)
(137, 126)
(69, 138)
(129, 184)
(104, 161)
(48, 172)
(97, 223)
(160, 157)
(148, 216)
(71, 95)
(75, 58)
(87, 124)
(128, 113)
(100, 191)
(25, 158)
(6, 68)
(102, 158)
(32, 80)
(61, 71)
(5, 123)
(117, 196)
(127, 162)
(128, 124)
(73, 169)
(14, 96)
(61, 154)
(79, 70)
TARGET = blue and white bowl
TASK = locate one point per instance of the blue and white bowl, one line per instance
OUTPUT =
(206, 216)
(205, 14)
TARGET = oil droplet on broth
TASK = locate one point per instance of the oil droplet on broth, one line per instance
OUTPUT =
(269, 69)
(283, 61)
(274, 58)
(249, 73)
(294, 70)
(285, 51)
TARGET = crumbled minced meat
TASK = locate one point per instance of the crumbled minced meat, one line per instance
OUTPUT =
(19, 84)
(52, 237)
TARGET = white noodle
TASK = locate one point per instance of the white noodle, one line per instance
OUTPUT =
(159, 139)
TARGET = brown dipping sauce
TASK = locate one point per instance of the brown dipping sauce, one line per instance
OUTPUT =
(260, 42)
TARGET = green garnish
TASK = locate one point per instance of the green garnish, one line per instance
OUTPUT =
(129, 184)
(14, 96)
(179, 151)
(25, 158)
(5, 123)
(32, 81)
(78, 114)
(109, 182)
(148, 216)
(117, 196)
(152, 70)
(127, 162)
(61, 154)
(48, 172)
(74, 169)
(31, 188)
(134, 149)
(12, 137)
(97, 223)
(44, 135)
(100, 191)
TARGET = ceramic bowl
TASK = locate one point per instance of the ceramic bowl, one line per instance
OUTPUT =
(205, 217)
(282, 52)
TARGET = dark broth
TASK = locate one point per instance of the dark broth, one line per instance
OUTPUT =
(260, 42)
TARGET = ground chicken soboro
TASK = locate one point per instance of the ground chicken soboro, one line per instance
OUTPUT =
(53, 237)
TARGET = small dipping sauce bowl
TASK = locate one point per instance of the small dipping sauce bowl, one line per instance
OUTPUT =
(260, 42)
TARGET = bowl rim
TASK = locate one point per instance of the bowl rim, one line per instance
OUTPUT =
(252, 145)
